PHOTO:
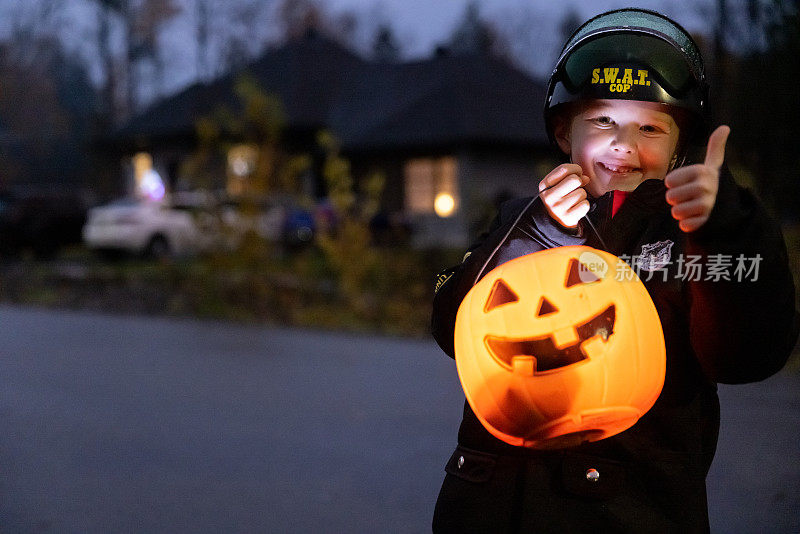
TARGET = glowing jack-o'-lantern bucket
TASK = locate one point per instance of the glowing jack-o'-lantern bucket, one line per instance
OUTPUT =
(559, 347)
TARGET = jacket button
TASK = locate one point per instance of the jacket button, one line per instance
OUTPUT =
(592, 475)
(460, 461)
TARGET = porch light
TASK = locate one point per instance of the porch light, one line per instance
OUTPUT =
(444, 205)
(242, 160)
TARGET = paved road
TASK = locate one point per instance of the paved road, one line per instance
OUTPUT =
(125, 424)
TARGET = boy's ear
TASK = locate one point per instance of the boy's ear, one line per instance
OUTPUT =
(562, 135)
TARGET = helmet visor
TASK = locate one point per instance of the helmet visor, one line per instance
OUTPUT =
(630, 65)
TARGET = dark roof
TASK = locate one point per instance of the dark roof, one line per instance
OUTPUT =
(371, 106)
(304, 73)
(440, 101)
(307, 75)
(174, 116)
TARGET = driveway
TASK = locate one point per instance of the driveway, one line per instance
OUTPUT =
(131, 424)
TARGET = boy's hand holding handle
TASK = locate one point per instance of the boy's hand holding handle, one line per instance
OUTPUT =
(692, 190)
(563, 194)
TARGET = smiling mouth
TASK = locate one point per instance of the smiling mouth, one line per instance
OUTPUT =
(618, 169)
(543, 350)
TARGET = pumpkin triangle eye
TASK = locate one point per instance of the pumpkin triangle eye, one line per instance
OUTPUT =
(545, 307)
(501, 294)
(579, 274)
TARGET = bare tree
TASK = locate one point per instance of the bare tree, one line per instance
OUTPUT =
(385, 47)
(203, 14)
(344, 28)
(107, 10)
(46, 106)
(297, 16)
(243, 40)
(472, 35)
(148, 20)
(31, 24)
(142, 21)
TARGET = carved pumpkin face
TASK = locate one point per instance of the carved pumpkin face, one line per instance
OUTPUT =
(559, 347)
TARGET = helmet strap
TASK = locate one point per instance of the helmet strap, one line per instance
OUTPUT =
(673, 162)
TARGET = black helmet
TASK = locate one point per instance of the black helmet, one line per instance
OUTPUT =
(631, 54)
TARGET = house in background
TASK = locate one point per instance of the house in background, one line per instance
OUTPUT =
(451, 133)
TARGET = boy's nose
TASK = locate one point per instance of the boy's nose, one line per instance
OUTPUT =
(623, 141)
(619, 147)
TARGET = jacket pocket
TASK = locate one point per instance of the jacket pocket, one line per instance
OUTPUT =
(471, 465)
(477, 495)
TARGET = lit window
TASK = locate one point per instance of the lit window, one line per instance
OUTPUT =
(241, 164)
(431, 186)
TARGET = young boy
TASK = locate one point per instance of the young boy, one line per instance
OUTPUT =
(626, 105)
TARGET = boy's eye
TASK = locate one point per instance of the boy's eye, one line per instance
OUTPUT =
(649, 128)
(603, 120)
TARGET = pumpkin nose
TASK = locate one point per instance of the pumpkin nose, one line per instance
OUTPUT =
(545, 307)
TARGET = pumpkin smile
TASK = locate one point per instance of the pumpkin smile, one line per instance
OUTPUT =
(543, 349)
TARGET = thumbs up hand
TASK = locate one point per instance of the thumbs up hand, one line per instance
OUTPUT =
(692, 190)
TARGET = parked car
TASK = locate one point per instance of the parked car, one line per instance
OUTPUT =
(259, 218)
(274, 220)
(40, 222)
(182, 224)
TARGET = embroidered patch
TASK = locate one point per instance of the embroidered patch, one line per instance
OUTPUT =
(655, 256)
(619, 80)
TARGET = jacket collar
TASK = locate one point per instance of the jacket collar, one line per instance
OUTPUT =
(641, 208)
(647, 197)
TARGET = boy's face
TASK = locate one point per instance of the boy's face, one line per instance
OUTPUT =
(619, 143)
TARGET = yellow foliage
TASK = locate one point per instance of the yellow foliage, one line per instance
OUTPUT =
(347, 245)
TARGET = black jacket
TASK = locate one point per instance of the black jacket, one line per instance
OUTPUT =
(652, 476)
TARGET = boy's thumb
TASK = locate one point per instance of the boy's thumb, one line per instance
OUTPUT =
(715, 152)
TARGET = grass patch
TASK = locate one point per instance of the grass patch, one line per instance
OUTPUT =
(259, 284)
